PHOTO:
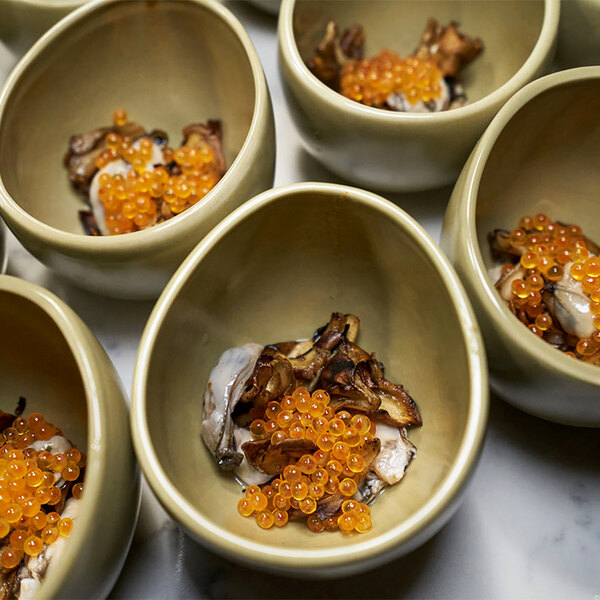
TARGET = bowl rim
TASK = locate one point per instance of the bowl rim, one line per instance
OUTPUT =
(242, 549)
(312, 85)
(97, 416)
(161, 234)
(494, 306)
(51, 4)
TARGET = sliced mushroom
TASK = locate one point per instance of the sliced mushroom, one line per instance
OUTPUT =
(210, 135)
(273, 458)
(448, 47)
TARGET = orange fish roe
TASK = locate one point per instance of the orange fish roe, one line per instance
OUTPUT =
(371, 81)
(135, 201)
(28, 490)
(312, 477)
(552, 251)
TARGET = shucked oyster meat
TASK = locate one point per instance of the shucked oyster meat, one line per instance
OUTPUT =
(251, 383)
(548, 274)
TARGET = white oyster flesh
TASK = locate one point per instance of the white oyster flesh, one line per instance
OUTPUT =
(118, 167)
(400, 102)
(57, 444)
(245, 473)
(32, 572)
(395, 454)
(571, 306)
(225, 386)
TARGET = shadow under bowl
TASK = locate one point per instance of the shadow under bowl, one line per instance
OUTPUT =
(540, 154)
(50, 357)
(396, 151)
(276, 269)
(169, 64)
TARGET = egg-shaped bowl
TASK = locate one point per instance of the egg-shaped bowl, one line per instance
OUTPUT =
(23, 21)
(539, 155)
(399, 151)
(50, 357)
(578, 34)
(188, 61)
(3, 248)
(275, 270)
(269, 6)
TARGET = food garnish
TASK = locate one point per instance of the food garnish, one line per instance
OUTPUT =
(312, 429)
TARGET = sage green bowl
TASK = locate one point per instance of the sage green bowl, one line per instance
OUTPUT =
(188, 61)
(540, 154)
(395, 151)
(49, 356)
(578, 34)
(276, 269)
(23, 21)
(3, 249)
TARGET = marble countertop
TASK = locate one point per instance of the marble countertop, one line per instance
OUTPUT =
(529, 526)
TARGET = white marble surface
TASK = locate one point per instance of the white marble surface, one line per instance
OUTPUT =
(530, 523)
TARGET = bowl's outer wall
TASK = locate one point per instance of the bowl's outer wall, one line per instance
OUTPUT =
(552, 142)
(37, 361)
(21, 23)
(406, 154)
(300, 258)
(578, 34)
(205, 73)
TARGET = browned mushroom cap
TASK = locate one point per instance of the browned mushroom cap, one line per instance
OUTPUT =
(330, 505)
(199, 136)
(334, 51)
(502, 247)
(273, 458)
(449, 48)
(85, 148)
(273, 377)
(308, 366)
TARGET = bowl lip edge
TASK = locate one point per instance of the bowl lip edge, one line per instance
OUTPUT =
(160, 235)
(503, 319)
(73, 331)
(445, 492)
(56, 4)
(526, 72)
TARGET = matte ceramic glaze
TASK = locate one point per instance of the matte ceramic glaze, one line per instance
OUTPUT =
(275, 270)
(540, 154)
(191, 61)
(398, 151)
(23, 21)
(3, 249)
(578, 33)
(49, 356)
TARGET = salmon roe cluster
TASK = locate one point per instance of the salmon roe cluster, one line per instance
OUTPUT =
(329, 470)
(135, 201)
(371, 81)
(28, 489)
(551, 252)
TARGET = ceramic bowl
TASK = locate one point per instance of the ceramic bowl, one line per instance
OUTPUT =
(270, 6)
(276, 269)
(540, 154)
(3, 249)
(191, 61)
(396, 151)
(50, 357)
(23, 21)
(578, 34)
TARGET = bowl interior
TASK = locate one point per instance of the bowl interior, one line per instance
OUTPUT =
(37, 363)
(277, 274)
(509, 31)
(169, 64)
(545, 160)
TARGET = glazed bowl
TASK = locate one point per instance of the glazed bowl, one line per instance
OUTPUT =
(578, 34)
(50, 357)
(72, 80)
(23, 21)
(395, 151)
(269, 6)
(540, 154)
(3, 249)
(276, 269)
